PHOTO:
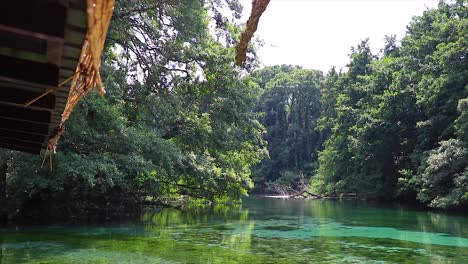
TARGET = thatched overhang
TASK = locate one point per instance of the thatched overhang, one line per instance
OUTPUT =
(50, 53)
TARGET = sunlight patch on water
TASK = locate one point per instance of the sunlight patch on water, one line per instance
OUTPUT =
(312, 228)
(267, 231)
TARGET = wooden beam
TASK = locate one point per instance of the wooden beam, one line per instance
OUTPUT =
(24, 126)
(33, 122)
(23, 42)
(19, 142)
(22, 135)
(21, 97)
(28, 86)
(32, 107)
(22, 113)
(28, 33)
(54, 52)
(33, 72)
(40, 18)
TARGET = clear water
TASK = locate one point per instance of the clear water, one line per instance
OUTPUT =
(258, 231)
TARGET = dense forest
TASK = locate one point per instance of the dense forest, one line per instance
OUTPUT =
(177, 118)
(181, 120)
(393, 126)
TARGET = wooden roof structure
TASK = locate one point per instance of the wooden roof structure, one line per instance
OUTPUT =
(50, 53)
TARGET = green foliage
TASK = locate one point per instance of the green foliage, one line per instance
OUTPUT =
(387, 117)
(180, 120)
(347, 96)
(392, 126)
(461, 124)
(444, 176)
(289, 108)
(177, 119)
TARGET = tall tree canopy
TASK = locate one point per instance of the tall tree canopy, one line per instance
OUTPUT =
(395, 131)
(180, 119)
(290, 110)
(393, 126)
(177, 118)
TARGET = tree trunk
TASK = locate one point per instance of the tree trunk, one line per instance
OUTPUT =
(258, 7)
(3, 198)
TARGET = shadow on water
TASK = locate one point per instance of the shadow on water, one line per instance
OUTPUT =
(258, 231)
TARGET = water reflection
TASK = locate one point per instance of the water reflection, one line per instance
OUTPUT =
(257, 231)
(360, 213)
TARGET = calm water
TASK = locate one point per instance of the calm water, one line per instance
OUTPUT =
(259, 231)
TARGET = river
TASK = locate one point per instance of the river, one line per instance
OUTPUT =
(257, 231)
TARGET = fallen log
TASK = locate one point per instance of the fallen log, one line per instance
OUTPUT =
(305, 195)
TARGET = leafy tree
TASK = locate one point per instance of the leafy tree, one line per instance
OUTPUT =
(338, 171)
(444, 175)
(290, 107)
(177, 119)
(388, 119)
(180, 119)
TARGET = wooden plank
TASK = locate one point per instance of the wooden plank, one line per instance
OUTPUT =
(28, 33)
(46, 18)
(61, 97)
(71, 52)
(69, 64)
(22, 135)
(60, 105)
(63, 93)
(23, 42)
(74, 38)
(29, 107)
(65, 72)
(24, 126)
(77, 18)
(27, 86)
(22, 113)
(33, 72)
(28, 120)
(20, 97)
(25, 55)
(15, 141)
(54, 52)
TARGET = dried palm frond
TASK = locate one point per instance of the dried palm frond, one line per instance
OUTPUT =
(86, 76)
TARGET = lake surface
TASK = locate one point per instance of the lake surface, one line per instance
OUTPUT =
(258, 231)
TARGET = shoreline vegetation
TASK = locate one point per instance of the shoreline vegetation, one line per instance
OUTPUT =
(392, 127)
(180, 120)
(308, 195)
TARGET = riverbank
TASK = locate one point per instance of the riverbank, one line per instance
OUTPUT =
(309, 195)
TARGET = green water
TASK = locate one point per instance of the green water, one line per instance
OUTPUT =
(258, 231)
